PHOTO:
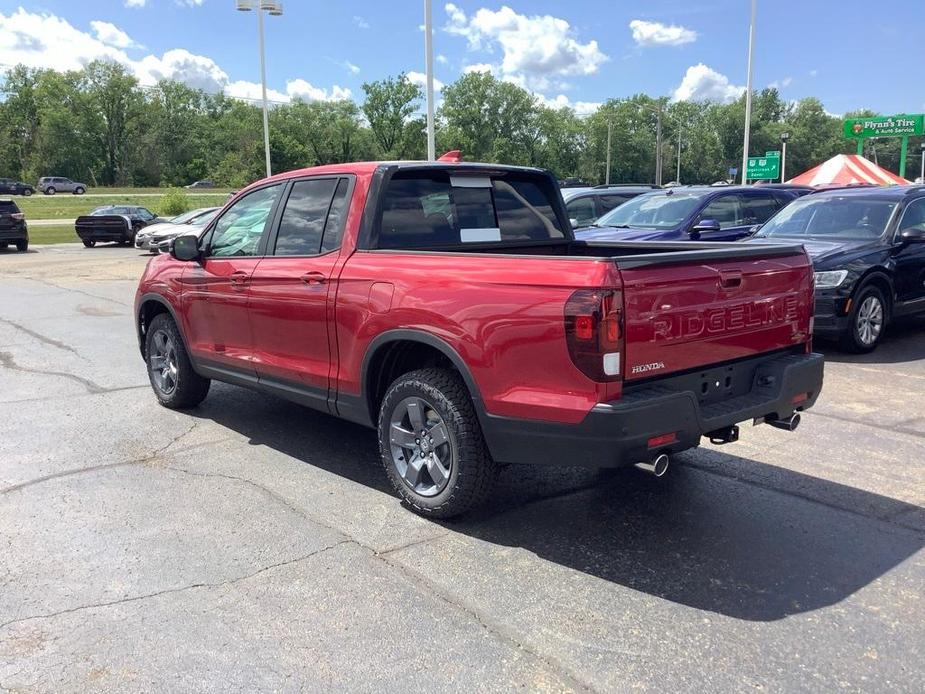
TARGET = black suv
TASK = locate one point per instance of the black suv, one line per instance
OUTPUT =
(868, 252)
(10, 187)
(13, 227)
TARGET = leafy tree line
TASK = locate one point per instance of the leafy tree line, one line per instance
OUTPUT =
(100, 126)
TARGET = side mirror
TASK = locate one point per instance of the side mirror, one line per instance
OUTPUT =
(913, 235)
(702, 226)
(185, 248)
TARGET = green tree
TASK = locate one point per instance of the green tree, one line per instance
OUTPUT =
(388, 105)
(114, 94)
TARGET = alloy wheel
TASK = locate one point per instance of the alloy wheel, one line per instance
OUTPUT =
(420, 445)
(870, 320)
(162, 362)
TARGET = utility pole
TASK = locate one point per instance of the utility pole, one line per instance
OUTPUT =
(923, 163)
(429, 67)
(748, 92)
(678, 176)
(658, 146)
(609, 135)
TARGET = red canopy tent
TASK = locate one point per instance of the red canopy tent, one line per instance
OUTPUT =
(845, 169)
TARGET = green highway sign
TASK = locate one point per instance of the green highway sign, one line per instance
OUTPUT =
(764, 167)
(887, 126)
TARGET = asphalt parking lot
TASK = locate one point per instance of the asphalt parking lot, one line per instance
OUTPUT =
(253, 545)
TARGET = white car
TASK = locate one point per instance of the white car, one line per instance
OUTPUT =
(150, 238)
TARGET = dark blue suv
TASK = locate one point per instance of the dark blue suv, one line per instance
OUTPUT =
(704, 213)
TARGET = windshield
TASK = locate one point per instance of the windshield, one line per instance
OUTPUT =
(652, 211)
(841, 217)
(186, 216)
(203, 218)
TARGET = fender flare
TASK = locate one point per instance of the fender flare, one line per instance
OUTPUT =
(877, 273)
(157, 298)
(410, 335)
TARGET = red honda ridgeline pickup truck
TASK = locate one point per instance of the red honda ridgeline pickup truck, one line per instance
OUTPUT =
(450, 307)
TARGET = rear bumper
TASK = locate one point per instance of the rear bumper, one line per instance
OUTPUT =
(19, 233)
(103, 235)
(617, 433)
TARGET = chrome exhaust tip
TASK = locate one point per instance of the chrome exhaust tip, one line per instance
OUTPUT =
(789, 424)
(657, 467)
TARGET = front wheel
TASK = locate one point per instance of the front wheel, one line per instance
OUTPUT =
(79, 190)
(49, 191)
(173, 379)
(432, 446)
(27, 192)
(866, 322)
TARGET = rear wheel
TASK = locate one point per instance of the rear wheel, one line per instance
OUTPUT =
(173, 379)
(866, 322)
(432, 446)
(49, 191)
(89, 243)
(22, 246)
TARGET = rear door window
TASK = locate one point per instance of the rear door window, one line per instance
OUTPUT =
(421, 210)
(582, 211)
(759, 207)
(726, 209)
(302, 224)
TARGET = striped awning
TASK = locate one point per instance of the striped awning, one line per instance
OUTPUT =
(848, 168)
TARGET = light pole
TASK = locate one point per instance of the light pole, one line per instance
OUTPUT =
(274, 8)
(923, 164)
(678, 176)
(609, 136)
(429, 69)
(783, 156)
(748, 93)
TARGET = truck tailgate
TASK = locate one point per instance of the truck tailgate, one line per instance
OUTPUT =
(685, 316)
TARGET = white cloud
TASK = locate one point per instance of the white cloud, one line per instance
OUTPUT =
(702, 83)
(134, 3)
(534, 48)
(442, 59)
(658, 34)
(179, 64)
(306, 91)
(355, 69)
(581, 108)
(479, 67)
(42, 40)
(360, 22)
(781, 84)
(420, 79)
(112, 35)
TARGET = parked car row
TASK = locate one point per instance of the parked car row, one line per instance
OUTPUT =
(156, 237)
(867, 243)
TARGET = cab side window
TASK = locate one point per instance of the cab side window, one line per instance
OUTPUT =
(238, 231)
(726, 209)
(759, 208)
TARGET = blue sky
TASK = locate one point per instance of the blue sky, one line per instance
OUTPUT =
(578, 53)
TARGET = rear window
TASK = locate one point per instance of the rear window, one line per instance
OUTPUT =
(8, 206)
(437, 209)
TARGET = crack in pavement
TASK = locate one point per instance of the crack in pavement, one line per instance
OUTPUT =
(78, 291)
(8, 362)
(58, 398)
(40, 337)
(179, 589)
(104, 466)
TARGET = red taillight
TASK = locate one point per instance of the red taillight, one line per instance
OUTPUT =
(800, 397)
(594, 332)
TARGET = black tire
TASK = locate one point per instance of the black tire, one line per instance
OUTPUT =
(855, 338)
(22, 246)
(79, 190)
(49, 191)
(27, 192)
(89, 243)
(472, 472)
(189, 388)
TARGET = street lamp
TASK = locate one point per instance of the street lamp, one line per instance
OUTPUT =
(748, 93)
(275, 9)
(783, 155)
(429, 79)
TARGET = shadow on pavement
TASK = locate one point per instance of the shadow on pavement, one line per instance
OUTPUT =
(904, 341)
(757, 551)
